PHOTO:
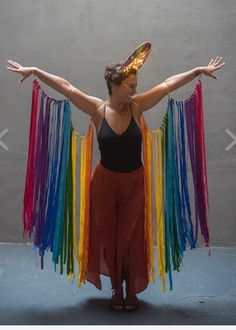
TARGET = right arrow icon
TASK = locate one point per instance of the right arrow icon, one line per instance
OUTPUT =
(230, 146)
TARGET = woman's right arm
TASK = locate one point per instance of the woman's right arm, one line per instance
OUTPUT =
(86, 103)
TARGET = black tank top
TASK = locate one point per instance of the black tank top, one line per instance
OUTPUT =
(120, 152)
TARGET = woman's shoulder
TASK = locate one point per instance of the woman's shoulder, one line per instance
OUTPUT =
(99, 113)
(136, 110)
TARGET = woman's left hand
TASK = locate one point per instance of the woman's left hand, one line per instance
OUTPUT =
(215, 64)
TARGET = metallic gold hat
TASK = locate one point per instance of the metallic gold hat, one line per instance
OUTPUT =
(137, 58)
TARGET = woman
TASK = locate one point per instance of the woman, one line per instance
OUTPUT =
(117, 244)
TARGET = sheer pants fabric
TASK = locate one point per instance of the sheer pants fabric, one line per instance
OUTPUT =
(117, 230)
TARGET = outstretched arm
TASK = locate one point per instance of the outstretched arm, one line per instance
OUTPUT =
(84, 102)
(150, 98)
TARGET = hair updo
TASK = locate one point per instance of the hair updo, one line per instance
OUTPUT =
(113, 76)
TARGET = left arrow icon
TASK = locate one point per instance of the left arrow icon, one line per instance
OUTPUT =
(2, 144)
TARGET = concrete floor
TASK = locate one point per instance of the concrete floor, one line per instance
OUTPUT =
(204, 293)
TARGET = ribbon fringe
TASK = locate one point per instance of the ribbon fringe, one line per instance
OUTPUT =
(174, 220)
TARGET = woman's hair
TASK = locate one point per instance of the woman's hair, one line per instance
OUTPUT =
(114, 76)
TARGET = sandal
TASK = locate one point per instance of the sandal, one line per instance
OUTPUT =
(117, 301)
(131, 303)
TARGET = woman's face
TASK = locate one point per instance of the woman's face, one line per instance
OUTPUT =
(126, 90)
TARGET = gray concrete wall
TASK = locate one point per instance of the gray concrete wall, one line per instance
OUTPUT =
(77, 38)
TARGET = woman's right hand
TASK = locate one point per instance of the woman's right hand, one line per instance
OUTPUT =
(24, 71)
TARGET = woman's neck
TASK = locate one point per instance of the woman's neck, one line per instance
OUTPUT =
(116, 105)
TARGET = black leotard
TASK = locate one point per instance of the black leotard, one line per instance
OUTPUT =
(120, 152)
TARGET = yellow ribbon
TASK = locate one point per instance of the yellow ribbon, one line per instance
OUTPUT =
(146, 136)
(85, 181)
(158, 184)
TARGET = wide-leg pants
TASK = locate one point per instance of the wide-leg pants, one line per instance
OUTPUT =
(117, 229)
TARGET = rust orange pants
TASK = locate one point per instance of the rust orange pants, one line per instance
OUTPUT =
(116, 238)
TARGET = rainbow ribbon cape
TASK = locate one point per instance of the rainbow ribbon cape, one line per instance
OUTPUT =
(50, 209)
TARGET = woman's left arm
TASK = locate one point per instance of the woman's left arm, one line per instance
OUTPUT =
(150, 98)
